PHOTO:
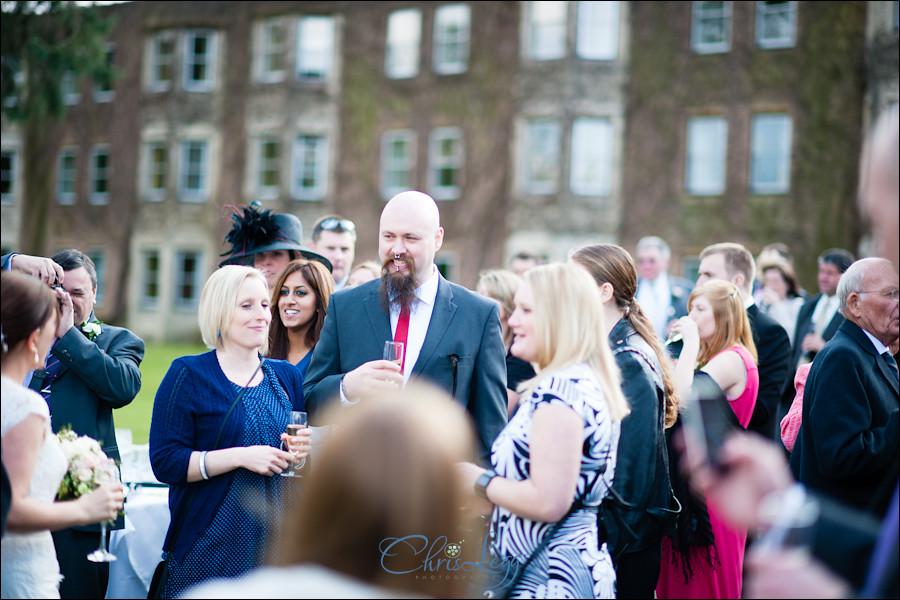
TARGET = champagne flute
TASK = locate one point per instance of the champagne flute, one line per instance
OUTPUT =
(107, 473)
(298, 420)
(393, 351)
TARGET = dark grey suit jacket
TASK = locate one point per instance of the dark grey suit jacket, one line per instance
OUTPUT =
(848, 439)
(463, 352)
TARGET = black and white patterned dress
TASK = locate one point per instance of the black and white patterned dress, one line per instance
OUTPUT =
(572, 565)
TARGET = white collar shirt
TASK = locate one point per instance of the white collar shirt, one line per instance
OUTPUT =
(419, 317)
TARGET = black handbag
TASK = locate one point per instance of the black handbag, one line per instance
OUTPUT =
(161, 573)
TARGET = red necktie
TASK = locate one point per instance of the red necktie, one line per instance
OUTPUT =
(402, 332)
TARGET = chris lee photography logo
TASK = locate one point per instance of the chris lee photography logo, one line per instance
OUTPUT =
(443, 559)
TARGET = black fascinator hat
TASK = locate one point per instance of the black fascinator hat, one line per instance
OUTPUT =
(255, 231)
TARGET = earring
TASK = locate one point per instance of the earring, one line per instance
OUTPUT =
(37, 358)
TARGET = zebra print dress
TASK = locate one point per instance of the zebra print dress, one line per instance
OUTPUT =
(572, 565)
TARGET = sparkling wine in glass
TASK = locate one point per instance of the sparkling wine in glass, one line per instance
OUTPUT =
(107, 474)
(393, 351)
(298, 420)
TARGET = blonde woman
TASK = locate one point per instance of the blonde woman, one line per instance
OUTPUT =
(220, 455)
(500, 285)
(717, 341)
(556, 459)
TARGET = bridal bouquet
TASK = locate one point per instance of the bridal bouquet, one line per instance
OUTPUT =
(84, 456)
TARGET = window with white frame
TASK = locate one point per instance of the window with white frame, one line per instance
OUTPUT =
(8, 164)
(193, 184)
(162, 61)
(150, 268)
(69, 88)
(272, 48)
(157, 170)
(103, 87)
(542, 143)
(451, 39)
(199, 60)
(445, 162)
(547, 30)
(598, 30)
(188, 279)
(315, 48)
(309, 167)
(592, 156)
(268, 178)
(711, 27)
(398, 159)
(98, 257)
(99, 175)
(404, 36)
(65, 176)
(770, 154)
(707, 149)
(776, 24)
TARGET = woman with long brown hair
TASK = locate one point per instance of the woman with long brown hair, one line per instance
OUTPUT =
(717, 341)
(299, 300)
(642, 469)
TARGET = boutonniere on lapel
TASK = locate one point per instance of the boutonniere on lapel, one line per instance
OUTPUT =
(91, 329)
(677, 291)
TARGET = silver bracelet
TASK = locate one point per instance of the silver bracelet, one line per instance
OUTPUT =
(203, 472)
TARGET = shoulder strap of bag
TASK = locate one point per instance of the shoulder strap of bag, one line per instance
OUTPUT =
(193, 495)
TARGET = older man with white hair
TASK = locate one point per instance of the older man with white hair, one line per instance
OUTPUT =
(849, 434)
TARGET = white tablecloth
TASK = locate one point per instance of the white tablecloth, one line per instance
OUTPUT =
(138, 547)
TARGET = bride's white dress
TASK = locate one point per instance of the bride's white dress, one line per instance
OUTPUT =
(28, 568)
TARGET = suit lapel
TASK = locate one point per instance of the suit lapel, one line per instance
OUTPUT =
(379, 320)
(859, 336)
(441, 316)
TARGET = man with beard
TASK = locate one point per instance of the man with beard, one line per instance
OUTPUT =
(451, 334)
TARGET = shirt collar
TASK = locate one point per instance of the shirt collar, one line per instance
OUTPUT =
(427, 292)
(879, 347)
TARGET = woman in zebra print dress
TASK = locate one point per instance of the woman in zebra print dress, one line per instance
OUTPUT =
(560, 447)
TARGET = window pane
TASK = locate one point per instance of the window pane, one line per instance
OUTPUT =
(309, 165)
(707, 139)
(711, 27)
(193, 186)
(770, 160)
(150, 280)
(158, 157)
(315, 48)
(404, 34)
(598, 30)
(199, 60)
(591, 173)
(445, 158)
(542, 156)
(776, 24)
(187, 279)
(65, 177)
(548, 30)
(397, 160)
(451, 38)
(100, 176)
(272, 49)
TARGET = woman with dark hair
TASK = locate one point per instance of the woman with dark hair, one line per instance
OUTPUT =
(299, 300)
(642, 468)
(718, 342)
(31, 453)
(781, 298)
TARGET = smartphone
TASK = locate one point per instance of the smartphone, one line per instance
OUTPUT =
(708, 420)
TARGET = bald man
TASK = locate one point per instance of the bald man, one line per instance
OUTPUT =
(452, 335)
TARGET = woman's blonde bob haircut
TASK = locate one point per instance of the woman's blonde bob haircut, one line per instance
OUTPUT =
(732, 324)
(217, 302)
(570, 329)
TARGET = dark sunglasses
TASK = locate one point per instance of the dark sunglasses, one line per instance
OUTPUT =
(329, 224)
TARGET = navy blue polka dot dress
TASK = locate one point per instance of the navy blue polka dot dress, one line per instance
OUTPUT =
(239, 534)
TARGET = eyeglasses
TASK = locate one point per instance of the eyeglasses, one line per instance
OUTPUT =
(891, 295)
(331, 223)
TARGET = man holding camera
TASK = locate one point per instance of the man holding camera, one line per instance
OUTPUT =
(92, 368)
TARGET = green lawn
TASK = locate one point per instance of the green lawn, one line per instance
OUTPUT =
(157, 359)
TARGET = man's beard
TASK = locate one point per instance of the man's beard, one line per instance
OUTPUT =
(398, 286)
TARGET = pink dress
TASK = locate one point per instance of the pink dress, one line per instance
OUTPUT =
(725, 579)
(790, 424)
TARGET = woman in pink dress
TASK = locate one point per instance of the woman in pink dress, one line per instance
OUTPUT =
(717, 341)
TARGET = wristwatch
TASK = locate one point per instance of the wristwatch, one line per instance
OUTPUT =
(482, 482)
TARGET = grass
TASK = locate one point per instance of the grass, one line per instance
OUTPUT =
(157, 359)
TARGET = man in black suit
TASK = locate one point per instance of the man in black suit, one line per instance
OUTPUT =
(451, 335)
(850, 433)
(733, 262)
(818, 319)
(92, 369)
